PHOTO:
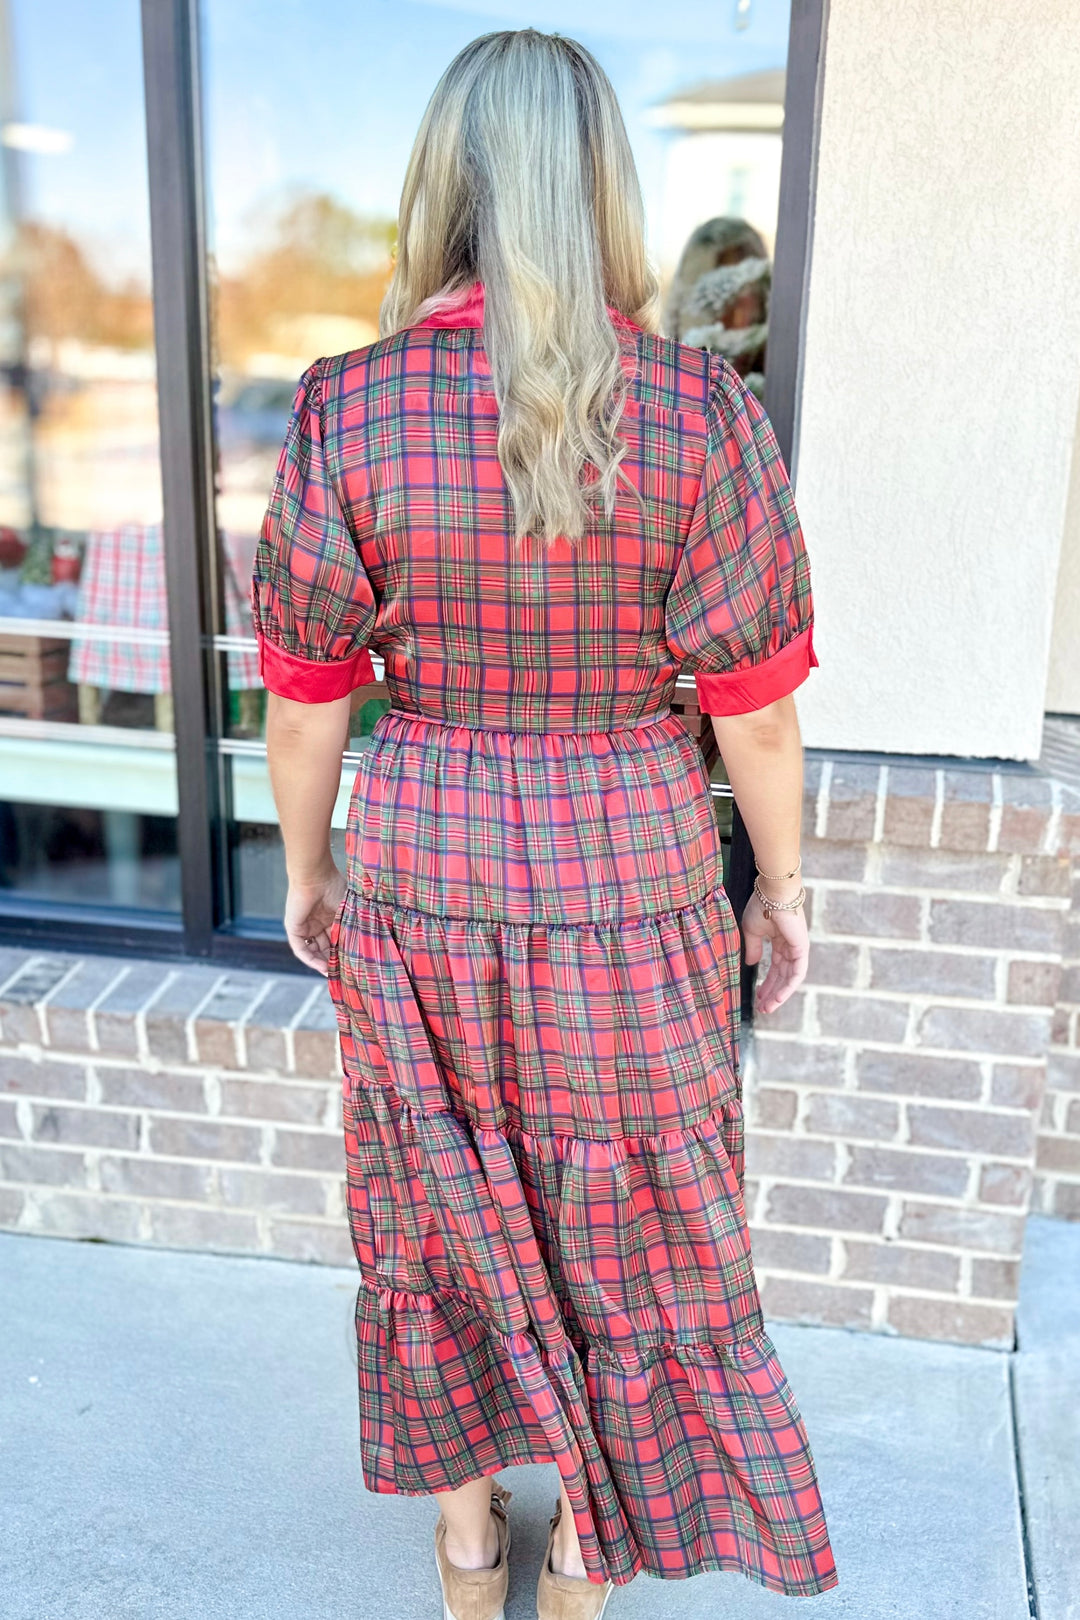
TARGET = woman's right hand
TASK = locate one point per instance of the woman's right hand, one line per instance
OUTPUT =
(789, 939)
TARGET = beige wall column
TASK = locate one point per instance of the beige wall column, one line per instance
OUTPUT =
(1063, 684)
(942, 371)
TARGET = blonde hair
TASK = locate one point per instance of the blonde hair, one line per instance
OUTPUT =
(521, 177)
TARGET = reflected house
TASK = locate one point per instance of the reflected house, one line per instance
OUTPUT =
(723, 156)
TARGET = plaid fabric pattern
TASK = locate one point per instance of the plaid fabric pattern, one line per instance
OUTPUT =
(122, 584)
(535, 968)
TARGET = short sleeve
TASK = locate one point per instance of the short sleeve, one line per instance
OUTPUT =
(312, 604)
(739, 612)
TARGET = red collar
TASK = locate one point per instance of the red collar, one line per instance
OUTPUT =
(469, 311)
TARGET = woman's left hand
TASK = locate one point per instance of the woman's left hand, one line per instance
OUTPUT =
(310, 912)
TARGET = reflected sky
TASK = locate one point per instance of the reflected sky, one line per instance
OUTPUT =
(324, 94)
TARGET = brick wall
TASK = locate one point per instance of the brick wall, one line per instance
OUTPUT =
(1057, 1155)
(892, 1105)
(893, 1101)
(182, 1106)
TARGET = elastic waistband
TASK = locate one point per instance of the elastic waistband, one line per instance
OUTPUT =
(530, 731)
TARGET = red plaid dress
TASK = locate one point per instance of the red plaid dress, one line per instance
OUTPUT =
(535, 968)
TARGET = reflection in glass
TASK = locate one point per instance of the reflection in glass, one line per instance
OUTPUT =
(303, 181)
(83, 623)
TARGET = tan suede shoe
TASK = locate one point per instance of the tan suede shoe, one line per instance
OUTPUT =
(568, 1597)
(476, 1594)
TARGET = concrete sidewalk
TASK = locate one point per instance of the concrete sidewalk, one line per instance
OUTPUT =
(179, 1440)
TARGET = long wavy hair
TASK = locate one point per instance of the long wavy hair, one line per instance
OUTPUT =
(521, 177)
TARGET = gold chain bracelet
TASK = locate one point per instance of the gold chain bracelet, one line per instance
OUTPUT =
(779, 877)
(768, 905)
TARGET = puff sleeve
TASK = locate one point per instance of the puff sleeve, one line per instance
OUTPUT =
(312, 604)
(739, 612)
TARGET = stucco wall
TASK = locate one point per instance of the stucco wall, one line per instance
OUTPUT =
(942, 368)
(1063, 684)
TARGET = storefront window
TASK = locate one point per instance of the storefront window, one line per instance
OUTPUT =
(87, 766)
(308, 123)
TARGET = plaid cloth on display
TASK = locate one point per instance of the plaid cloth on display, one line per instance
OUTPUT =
(535, 969)
(122, 584)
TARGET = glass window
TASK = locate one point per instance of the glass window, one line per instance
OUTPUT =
(88, 796)
(310, 113)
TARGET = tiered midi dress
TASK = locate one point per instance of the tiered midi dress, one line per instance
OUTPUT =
(535, 968)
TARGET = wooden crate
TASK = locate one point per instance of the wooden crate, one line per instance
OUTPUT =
(33, 678)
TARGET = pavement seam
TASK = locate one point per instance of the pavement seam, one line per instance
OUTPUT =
(1021, 1494)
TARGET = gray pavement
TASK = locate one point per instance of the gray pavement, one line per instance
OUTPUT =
(178, 1439)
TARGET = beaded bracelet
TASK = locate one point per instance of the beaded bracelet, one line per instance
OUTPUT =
(769, 905)
(779, 877)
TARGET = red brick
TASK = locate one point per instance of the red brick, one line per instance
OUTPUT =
(869, 912)
(83, 1215)
(1033, 983)
(904, 1170)
(1005, 1184)
(1060, 1154)
(829, 1208)
(852, 805)
(183, 1226)
(273, 1190)
(1022, 831)
(962, 1228)
(825, 858)
(297, 1104)
(984, 1029)
(965, 826)
(996, 1279)
(895, 1263)
(317, 1054)
(86, 1127)
(1047, 875)
(971, 1130)
(840, 1114)
(309, 1150)
(204, 1139)
(817, 1063)
(861, 1017)
(141, 1177)
(1065, 1202)
(166, 1019)
(1072, 1117)
(322, 1242)
(995, 924)
(790, 1156)
(832, 963)
(771, 1108)
(1062, 1070)
(143, 1088)
(786, 1019)
(909, 816)
(941, 973)
(1018, 1085)
(23, 1077)
(115, 1016)
(789, 1251)
(952, 1320)
(41, 1166)
(790, 1299)
(915, 1075)
(12, 1204)
(939, 869)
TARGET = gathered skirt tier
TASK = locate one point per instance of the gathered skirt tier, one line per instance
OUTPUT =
(535, 972)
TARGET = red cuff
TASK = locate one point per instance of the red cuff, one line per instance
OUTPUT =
(739, 691)
(306, 681)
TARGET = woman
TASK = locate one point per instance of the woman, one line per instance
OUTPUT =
(538, 511)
